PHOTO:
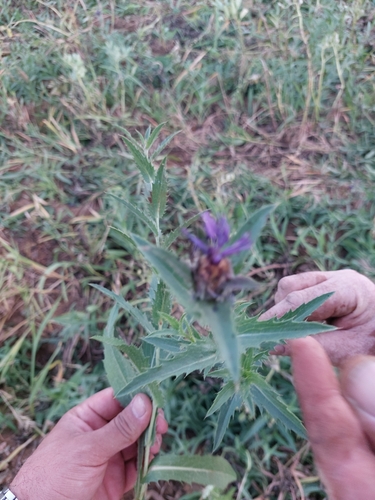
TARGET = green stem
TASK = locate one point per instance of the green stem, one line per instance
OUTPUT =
(144, 447)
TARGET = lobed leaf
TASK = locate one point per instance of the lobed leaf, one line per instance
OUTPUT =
(265, 397)
(195, 357)
(253, 333)
(226, 412)
(305, 310)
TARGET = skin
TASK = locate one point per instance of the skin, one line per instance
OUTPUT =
(91, 452)
(339, 418)
(351, 309)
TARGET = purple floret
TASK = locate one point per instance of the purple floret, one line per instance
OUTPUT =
(217, 231)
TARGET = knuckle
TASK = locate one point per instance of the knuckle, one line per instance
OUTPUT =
(293, 300)
(283, 285)
(124, 426)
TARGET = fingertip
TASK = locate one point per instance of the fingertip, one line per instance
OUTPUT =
(131, 475)
(357, 382)
(161, 423)
(141, 406)
(278, 350)
(155, 448)
(302, 346)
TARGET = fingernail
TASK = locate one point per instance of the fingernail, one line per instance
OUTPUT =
(138, 407)
(360, 387)
(279, 349)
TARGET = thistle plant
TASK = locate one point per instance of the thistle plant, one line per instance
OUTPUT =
(235, 345)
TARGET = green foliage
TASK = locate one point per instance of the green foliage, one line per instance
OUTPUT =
(225, 348)
(236, 83)
(205, 470)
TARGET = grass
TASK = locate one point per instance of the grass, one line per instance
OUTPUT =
(275, 101)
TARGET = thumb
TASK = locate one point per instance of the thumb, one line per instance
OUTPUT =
(124, 429)
(358, 386)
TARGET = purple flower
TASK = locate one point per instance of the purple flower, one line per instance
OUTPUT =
(217, 232)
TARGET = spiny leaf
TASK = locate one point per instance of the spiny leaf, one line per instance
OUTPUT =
(253, 227)
(173, 235)
(175, 273)
(121, 237)
(168, 344)
(153, 135)
(138, 213)
(305, 310)
(253, 333)
(175, 324)
(148, 132)
(225, 414)
(145, 166)
(265, 397)
(195, 357)
(118, 369)
(136, 313)
(163, 144)
(226, 392)
(219, 318)
(161, 303)
(113, 341)
(205, 470)
(121, 370)
(159, 193)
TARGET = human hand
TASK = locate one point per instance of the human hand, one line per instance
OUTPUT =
(351, 309)
(91, 453)
(339, 417)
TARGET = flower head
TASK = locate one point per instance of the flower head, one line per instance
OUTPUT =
(217, 232)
